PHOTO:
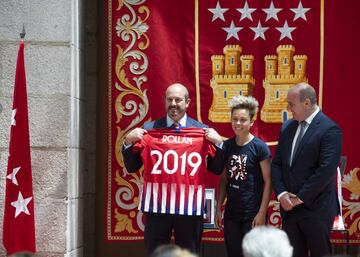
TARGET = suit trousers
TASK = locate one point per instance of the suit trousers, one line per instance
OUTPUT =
(159, 228)
(308, 235)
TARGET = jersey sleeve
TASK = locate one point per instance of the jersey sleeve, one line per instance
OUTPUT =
(211, 150)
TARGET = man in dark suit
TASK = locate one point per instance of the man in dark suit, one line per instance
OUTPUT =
(159, 227)
(303, 173)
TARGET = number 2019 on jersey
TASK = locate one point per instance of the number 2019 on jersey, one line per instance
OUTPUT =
(187, 160)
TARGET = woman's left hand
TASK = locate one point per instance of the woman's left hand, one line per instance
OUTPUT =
(259, 220)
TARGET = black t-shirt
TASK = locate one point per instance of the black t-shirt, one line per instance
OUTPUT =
(245, 181)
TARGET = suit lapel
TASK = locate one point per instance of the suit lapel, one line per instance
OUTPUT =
(189, 122)
(160, 123)
(314, 125)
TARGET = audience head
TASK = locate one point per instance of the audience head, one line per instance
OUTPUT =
(266, 241)
(171, 250)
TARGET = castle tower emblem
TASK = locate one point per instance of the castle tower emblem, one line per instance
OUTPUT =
(282, 71)
(232, 74)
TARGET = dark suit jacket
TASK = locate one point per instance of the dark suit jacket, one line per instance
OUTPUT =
(133, 162)
(312, 174)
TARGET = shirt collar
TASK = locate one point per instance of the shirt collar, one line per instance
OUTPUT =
(312, 116)
(170, 121)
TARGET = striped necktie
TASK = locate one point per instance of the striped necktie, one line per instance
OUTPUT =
(175, 125)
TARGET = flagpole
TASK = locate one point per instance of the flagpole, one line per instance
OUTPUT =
(22, 33)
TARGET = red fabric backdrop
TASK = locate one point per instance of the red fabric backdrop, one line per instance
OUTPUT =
(152, 44)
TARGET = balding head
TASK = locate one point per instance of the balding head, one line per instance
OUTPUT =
(305, 91)
(301, 101)
(179, 88)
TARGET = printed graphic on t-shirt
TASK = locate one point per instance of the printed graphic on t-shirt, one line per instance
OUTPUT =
(237, 167)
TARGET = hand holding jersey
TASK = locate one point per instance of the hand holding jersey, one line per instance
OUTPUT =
(134, 136)
(213, 136)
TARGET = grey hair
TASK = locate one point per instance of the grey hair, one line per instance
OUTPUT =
(171, 250)
(306, 92)
(244, 102)
(266, 241)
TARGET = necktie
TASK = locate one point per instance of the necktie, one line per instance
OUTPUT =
(175, 125)
(298, 139)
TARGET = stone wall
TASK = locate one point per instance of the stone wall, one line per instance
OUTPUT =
(60, 63)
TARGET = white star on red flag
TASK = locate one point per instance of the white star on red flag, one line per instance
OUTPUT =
(272, 12)
(218, 12)
(259, 31)
(12, 175)
(286, 31)
(232, 31)
(21, 205)
(246, 12)
(300, 11)
(13, 120)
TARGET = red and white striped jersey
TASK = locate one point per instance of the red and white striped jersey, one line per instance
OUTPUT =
(174, 170)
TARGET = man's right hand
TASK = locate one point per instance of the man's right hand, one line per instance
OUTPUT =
(134, 135)
(286, 202)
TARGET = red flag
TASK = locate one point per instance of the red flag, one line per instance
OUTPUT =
(218, 49)
(151, 44)
(19, 225)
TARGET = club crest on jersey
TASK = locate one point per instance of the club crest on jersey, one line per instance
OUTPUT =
(170, 139)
